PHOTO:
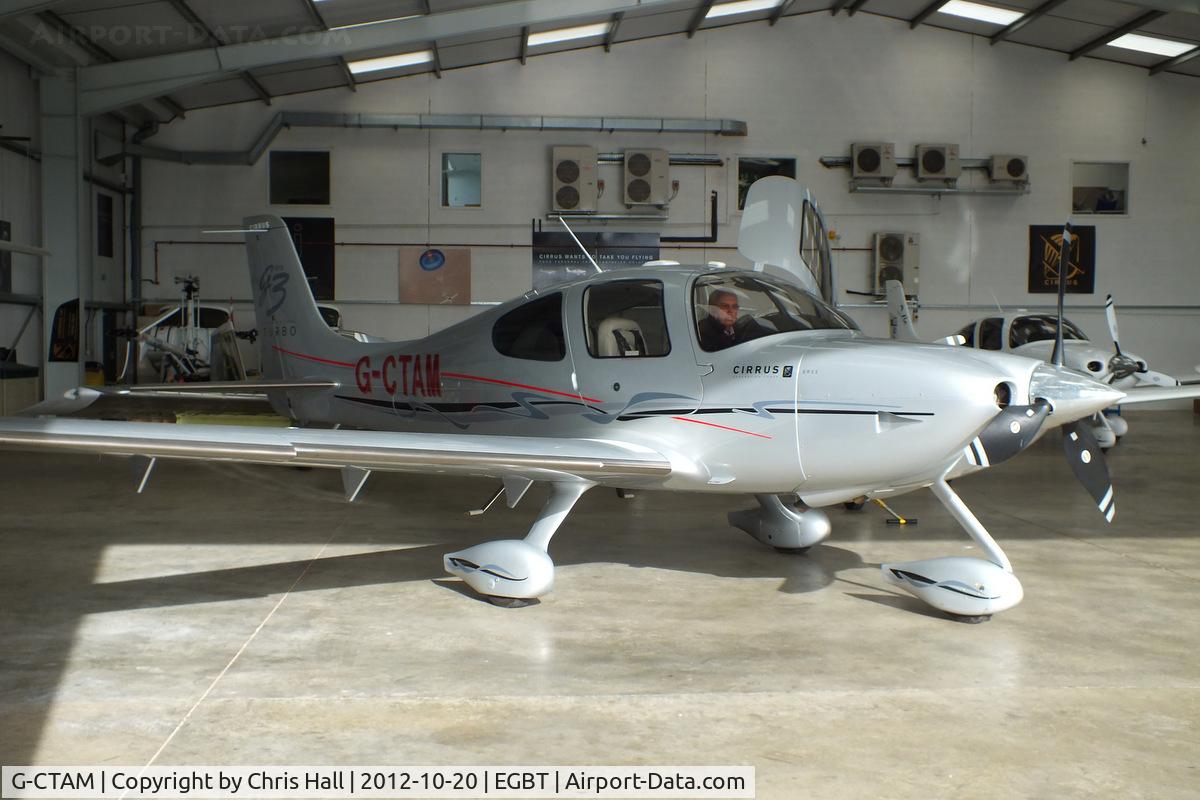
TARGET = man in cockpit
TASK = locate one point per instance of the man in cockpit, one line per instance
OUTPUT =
(722, 327)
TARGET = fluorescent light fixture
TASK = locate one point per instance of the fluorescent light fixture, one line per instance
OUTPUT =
(567, 34)
(740, 7)
(1153, 44)
(981, 12)
(391, 62)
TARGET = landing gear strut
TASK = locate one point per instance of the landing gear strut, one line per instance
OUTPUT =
(515, 572)
(971, 589)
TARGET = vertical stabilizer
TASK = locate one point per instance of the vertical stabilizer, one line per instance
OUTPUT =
(899, 314)
(293, 338)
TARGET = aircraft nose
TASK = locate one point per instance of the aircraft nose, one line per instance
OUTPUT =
(1071, 395)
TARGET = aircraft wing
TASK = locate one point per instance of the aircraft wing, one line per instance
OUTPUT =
(533, 458)
(1157, 394)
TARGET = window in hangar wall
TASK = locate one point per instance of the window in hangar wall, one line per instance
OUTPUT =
(1099, 187)
(751, 168)
(104, 225)
(299, 177)
(462, 185)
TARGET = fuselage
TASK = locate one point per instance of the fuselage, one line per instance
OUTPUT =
(825, 412)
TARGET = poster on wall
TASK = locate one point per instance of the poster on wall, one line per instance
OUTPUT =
(435, 275)
(1045, 251)
(557, 259)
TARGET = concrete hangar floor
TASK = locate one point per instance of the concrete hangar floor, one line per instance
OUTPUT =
(247, 615)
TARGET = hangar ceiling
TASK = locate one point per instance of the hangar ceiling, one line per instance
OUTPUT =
(157, 59)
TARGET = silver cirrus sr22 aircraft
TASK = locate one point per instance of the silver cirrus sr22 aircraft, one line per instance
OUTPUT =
(691, 379)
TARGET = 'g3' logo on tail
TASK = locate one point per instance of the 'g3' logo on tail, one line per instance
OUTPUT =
(272, 288)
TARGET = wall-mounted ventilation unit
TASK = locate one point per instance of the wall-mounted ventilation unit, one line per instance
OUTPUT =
(873, 162)
(937, 162)
(1009, 169)
(897, 258)
(573, 179)
(647, 177)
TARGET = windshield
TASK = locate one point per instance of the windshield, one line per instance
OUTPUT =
(1039, 328)
(731, 309)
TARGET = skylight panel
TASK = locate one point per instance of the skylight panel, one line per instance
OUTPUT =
(740, 7)
(981, 12)
(1153, 44)
(568, 34)
(391, 62)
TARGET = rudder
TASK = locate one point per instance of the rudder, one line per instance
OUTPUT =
(290, 327)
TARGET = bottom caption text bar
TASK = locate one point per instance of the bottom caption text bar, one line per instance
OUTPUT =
(376, 782)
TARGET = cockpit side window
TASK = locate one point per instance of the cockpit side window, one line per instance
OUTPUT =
(1039, 328)
(625, 319)
(533, 331)
(968, 334)
(731, 309)
(989, 333)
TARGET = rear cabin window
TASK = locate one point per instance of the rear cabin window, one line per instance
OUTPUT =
(533, 331)
(625, 319)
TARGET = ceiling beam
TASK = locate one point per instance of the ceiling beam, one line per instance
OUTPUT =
(1016, 25)
(1116, 33)
(855, 6)
(1176, 61)
(351, 81)
(613, 25)
(15, 8)
(779, 11)
(925, 13)
(192, 18)
(314, 14)
(84, 52)
(698, 17)
(107, 86)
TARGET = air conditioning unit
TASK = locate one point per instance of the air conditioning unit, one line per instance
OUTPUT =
(938, 162)
(897, 258)
(873, 161)
(647, 177)
(1009, 169)
(573, 179)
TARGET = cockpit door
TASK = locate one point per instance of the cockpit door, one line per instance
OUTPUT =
(630, 342)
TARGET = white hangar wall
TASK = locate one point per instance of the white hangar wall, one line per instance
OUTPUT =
(807, 87)
(102, 278)
(20, 185)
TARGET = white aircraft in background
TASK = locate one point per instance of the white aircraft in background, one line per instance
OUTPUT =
(694, 379)
(1033, 335)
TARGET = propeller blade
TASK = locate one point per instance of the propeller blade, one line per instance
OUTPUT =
(1012, 430)
(1087, 462)
(1064, 265)
(1157, 378)
(1110, 312)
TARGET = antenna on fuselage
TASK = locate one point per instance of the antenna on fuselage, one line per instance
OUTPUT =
(1064, 266)
(581, 247)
